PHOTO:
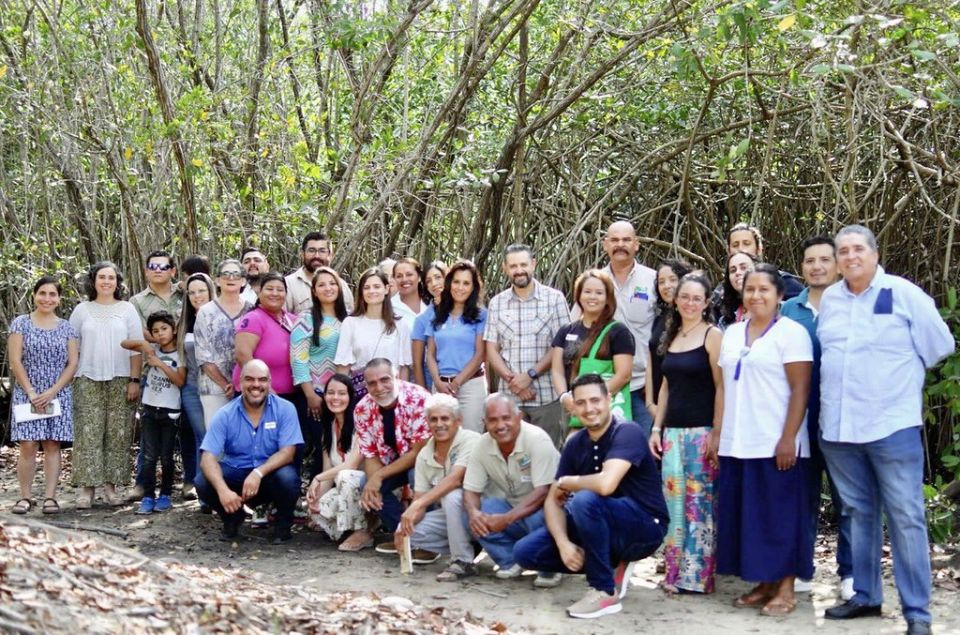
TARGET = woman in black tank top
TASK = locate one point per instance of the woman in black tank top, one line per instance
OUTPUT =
(689, 403)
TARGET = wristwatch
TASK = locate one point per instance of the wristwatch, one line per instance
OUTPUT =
(134, 380)
(532, 373)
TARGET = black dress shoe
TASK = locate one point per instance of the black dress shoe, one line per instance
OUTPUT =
(916, 627)
(849, 610)
(231, 531)
(280, 535)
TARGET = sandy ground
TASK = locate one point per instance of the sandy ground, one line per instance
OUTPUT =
(310, 560)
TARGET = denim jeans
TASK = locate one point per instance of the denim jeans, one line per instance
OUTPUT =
(392, 505)
(499, 546)
(609, 530)
(158, 430)
(638, 406)
(818, 468)
(886, 476)
(191, 436)
(280, 487)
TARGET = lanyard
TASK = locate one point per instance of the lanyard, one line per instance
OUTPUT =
(746, 347)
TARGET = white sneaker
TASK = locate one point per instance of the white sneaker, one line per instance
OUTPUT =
(621, 577)
(595, 604)
(802, 586)
(545, 580)
(846, 589)
(509, 574)
(260, 516)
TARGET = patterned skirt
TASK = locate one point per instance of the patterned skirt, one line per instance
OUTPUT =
(688, 478)
(339, 508)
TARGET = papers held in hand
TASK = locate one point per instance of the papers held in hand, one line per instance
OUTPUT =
(28, 412)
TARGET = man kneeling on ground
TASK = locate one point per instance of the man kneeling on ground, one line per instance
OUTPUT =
(257, 436)
(438, 484)
(512, 467)
(605, 510)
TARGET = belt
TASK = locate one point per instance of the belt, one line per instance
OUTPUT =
(479, 373)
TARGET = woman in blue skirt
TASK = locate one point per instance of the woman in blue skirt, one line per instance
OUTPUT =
(762, 516)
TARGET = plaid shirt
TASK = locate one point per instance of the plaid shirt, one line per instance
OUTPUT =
(147, 302)
(410, 421)
(524, 330)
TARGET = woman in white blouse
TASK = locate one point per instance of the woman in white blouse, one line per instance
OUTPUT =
(763, 510)
(372, 331)
(106, 388)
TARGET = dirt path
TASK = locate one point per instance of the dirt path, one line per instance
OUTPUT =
(188, 536)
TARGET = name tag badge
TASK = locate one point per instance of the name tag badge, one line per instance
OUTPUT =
(572, 337)
(270, 425)
(640, 293)
(526, 478)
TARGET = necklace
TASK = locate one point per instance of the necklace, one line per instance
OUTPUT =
(691, 329)
(746, 344)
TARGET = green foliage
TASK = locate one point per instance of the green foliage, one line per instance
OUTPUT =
(942, 393)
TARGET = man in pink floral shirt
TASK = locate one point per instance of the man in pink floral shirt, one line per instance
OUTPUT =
(391, 427)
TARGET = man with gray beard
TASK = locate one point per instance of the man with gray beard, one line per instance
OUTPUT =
(391, 428)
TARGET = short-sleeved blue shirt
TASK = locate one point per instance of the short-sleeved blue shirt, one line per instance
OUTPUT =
(583, 456)
(456, 342)
(232, 437)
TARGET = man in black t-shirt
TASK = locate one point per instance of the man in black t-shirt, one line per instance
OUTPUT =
(606, 508)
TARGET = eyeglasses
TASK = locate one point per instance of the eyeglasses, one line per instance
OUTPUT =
(231, 275)
(156, 266)
(314, 251)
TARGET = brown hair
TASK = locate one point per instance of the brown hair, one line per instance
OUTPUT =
(606, 316)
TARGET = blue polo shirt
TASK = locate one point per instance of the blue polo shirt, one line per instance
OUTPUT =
(232, 436)
(456, 342)
(583, 456)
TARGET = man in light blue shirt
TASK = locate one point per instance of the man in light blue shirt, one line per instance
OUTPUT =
(248, 455)
(878, 333)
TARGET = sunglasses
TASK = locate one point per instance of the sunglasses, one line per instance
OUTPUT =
(231, 275)
(156, 266)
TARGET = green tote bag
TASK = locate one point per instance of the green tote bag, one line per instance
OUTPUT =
(620, 403)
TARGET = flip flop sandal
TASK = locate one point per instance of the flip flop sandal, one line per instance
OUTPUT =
(751, 600)
(353, 543)
(50, 506)
(778, 607)
(22, 506)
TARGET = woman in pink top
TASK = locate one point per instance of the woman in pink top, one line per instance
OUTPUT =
(264, 334)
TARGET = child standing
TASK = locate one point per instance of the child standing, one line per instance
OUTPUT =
(160, 408)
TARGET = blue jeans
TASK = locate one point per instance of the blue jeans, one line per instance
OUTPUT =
(499, 546)
(191, 436)
(638, 404)
(392, 505)
(280, 487)
(609, 530)
(818, 468)
(886, 476)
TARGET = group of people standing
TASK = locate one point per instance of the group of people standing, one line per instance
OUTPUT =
(699, 417)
